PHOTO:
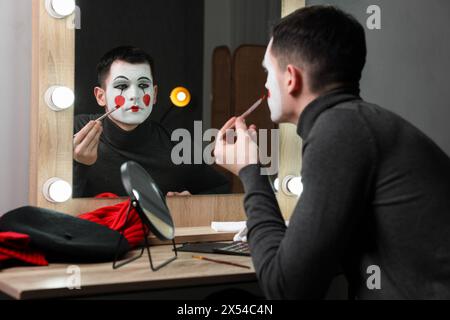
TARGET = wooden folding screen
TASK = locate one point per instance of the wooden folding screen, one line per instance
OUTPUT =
(239, 81)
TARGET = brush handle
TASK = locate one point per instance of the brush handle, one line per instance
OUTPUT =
(107, 114)
(250, 110)
(102, 117)
(221, 261)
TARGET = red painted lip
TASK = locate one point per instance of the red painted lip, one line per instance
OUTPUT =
(135, 109)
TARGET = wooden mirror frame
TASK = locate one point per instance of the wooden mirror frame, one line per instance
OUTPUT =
(53, 63)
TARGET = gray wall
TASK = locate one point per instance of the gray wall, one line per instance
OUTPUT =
(15, 86)
(232, 23)
(408, 66)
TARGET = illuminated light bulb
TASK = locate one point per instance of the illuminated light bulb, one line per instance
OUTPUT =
(180, 97)
(295, 186)
(276, 184)
(57, 190)
(292, 186)
(59, 98)
(60, 8)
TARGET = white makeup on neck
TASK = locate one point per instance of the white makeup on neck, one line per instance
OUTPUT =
(273, 87)
(130, 86)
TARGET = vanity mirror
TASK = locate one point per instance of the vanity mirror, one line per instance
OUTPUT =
(178, 38)
(54, 64)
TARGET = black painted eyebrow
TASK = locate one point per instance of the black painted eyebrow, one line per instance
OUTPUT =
(144, 78)
(121, 77)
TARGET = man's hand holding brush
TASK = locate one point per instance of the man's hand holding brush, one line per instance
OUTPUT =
(236, 144)
(236, 149)
(85, 143)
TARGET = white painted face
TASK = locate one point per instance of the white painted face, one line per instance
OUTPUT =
(273, 87)
(130, 86)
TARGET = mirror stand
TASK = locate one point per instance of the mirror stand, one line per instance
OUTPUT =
(145, 247)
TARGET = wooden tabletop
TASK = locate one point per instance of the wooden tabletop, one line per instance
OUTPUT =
(100, 279)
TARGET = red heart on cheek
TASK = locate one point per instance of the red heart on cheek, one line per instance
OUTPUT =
(147, 100)
(120, 101)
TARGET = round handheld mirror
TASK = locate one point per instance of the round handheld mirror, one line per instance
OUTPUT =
(148, 200)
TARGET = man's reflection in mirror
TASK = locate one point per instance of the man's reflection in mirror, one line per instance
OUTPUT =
(126, 84)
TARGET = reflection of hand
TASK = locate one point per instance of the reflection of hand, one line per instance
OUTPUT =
(85, 143)
(235, 154)
(179, 194)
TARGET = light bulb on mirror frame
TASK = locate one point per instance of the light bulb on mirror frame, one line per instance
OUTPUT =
(276, 184)
(180, 97)
(59, 98)
(56, 190)
(292, 186)
(60, 9)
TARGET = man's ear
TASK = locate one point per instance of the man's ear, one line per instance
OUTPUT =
(295, 79)
(100, 95)
(155, 94)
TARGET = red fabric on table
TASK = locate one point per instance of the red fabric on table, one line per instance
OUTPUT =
(114, 217)
(15, 246)
(107, 195)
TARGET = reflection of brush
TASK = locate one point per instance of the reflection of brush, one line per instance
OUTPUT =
(104, 116)
(120, 102)
(108, 113)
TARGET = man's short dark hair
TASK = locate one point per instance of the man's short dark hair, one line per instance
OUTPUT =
(328, 42)
(128, 54)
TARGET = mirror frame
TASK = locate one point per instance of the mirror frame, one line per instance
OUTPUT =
(53, 63)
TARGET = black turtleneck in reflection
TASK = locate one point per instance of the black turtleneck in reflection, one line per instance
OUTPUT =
(150, 146)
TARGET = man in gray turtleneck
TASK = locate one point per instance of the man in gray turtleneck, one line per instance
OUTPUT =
(376, 199)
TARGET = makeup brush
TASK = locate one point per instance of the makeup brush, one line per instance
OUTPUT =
(108, 113)
(250, 110)
(102, 117)
(253, 107)
(120, 102)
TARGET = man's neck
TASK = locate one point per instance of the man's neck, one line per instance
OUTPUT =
(306, 99)
(302, 103)
(123, 126)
